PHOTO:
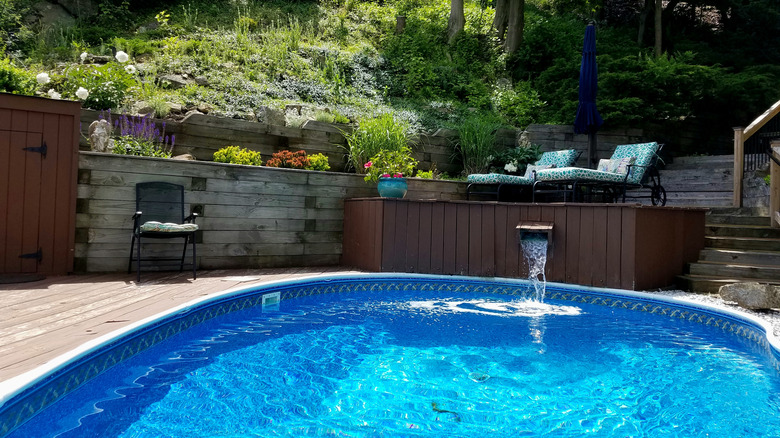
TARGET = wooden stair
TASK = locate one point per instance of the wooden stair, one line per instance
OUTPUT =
(699, 181)
(740, 246)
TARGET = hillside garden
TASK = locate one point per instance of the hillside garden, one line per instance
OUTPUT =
(346, 60)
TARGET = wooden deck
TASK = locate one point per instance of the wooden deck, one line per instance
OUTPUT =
(43, 319)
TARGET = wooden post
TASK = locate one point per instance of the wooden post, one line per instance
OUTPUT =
(739, 164)
(400, 24)
(774, 186)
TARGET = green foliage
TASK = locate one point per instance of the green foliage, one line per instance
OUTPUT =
(476, 145)
(383, 133)
(130, 145)
(390, 163)
(519, 106)
(107, 84)
(515, 160)
(768, 179)
(318, 162)
(425, 174)
(16, 80)
(238, 155)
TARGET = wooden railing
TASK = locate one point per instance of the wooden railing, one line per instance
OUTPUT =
(753, 148)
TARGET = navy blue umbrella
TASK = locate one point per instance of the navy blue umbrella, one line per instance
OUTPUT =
(588, 119)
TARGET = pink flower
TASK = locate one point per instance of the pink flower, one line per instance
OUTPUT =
(367, 165)
(398, 175)
(385, 175)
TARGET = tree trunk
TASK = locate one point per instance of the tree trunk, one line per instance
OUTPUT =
(658, 28)
(640, 38)
(516, 22)
(500, 19)
(457, 20)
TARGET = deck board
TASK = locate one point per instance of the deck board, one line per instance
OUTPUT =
(44, 319)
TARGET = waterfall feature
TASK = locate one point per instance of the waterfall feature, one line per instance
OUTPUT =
(535, 251)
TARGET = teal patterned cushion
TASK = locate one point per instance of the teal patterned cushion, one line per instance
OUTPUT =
(643, 154)
(518, 180)
(564, 158)
(573, 173)
(484, 178)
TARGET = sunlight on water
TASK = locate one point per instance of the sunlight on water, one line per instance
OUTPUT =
(518, 308)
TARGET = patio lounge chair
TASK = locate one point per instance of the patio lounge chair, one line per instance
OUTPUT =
(497, 181)
(631, 166)
(161, 205)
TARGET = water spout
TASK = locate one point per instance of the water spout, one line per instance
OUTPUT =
(534, 239)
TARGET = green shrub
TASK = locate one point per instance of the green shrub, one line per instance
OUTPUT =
(318, 162)
(238, 155)
(107, 84)
(515, 160)
(425, 174)
(16, 80)
(519, 106)
(382, 133)
(477, 142)
(390, 163)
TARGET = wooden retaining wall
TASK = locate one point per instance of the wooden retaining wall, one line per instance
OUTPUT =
(250, 217)
(606, 245)
(202, 135)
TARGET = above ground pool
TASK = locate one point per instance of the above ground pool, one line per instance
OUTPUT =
(414, 355)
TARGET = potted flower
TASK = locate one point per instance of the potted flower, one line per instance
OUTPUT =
(388, 169)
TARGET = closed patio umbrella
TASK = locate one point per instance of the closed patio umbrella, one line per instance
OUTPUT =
(588, 119)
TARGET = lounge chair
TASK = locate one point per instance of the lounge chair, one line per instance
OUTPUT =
(496, 181)
(631, 166)
(161, 205)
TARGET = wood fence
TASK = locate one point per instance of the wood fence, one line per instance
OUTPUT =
(607, 245)
(249, 216)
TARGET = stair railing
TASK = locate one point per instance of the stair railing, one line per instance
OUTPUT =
(753, 147)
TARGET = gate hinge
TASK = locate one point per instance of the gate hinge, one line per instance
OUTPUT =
(42, 149)
(37, 255)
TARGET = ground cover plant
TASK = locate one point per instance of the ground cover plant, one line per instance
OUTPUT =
(352, 60)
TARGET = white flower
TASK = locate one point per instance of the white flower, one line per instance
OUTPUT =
(53, 94)
(510, 167)
(82, 93)
(130, 69)
(122, 56)
(83, 56)
(43, 78)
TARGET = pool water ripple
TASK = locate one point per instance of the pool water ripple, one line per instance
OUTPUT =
(408, 364)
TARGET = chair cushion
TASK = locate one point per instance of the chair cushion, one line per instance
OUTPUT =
(167, 227)
(617, 165)
(565, 158)
(483, 178)
(516, 180)
(536, 167)
(643, 156)
(574, 173)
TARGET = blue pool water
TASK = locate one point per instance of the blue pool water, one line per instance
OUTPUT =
(430, 364)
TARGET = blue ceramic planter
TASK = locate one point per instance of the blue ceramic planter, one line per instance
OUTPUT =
(392, 187)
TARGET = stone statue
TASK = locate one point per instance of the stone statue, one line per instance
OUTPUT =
(100, 136)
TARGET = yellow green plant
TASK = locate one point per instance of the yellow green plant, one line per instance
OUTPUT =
(238, 155)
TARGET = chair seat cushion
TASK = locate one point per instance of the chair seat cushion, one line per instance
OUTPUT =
(578, 173)
(168, 227)
(484, 178)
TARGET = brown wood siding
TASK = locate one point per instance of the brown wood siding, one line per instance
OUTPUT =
(605, 245)
(37, 193)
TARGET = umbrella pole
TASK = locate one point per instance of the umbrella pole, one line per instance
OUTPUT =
(592, 145)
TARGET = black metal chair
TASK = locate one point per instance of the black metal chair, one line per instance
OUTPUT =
(161, 205)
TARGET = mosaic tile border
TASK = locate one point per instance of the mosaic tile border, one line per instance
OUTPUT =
(38, 396)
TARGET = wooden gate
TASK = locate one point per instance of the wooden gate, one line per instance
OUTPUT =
(38, 176)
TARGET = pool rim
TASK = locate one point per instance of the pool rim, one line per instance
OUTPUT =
(16, 386)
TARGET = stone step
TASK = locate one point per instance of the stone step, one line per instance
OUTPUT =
(696, 175)
(740, 211)
(743, 243)
(719, 201)
(700, 162)
(698, 187)
(719, 269)
(712, 219)
(740, 257)
(754, 231)
(706, 285)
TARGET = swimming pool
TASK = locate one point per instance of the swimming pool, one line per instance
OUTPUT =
(407, 355)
